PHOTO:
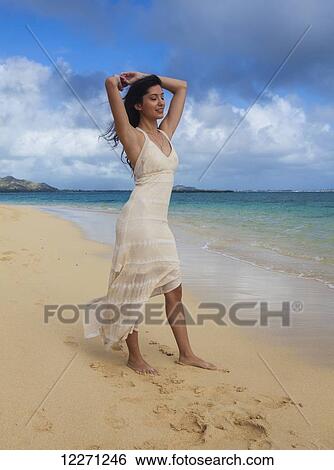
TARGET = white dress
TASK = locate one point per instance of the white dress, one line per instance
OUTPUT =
(145, 261)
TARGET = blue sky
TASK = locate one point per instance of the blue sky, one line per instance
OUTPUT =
(227, 52)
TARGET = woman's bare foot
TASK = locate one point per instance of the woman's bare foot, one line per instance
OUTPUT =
(193, 360)
(141, 367)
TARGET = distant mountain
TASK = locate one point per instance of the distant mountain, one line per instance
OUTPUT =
(188, 189)
(11, 184)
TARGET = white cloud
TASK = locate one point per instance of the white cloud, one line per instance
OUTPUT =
(275, 133)
(31, 125)
(54, 139)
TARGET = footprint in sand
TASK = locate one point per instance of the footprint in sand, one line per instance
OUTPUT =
(103, 369)
(71, 341)
(274, 403)
(109, 372)
(192, 421)
(116, 422)
(7, 255)
(42, 423)
(163, 410)
(163, 348)
(133, 399)
(167, 382)
(227, 415)
(254, 432)
(306, 446)
(210, 427)
(5, 258)
(166, 350)
(147, 445)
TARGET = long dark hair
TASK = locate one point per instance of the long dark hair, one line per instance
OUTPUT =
(134, 96)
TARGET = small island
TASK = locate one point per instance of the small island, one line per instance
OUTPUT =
(10, 184)
(190, 189)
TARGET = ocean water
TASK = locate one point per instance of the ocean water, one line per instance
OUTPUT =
(290, 232)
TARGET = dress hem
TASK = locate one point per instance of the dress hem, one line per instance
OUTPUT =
(116, 344)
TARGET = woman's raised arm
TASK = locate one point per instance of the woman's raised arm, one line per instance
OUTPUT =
(175, 110)
(124, 129)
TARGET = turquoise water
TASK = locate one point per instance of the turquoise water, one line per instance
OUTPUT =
(283, 231)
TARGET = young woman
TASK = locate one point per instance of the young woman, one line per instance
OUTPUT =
(145, 261)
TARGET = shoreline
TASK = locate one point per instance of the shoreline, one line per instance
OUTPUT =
(258, 255)
(280, 262)
(229, 279)
(190, 407)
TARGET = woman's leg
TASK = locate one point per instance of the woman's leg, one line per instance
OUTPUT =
(136, 360)
(176, 319)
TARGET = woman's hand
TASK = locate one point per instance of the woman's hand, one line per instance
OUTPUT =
(128, 78)
(117, 81)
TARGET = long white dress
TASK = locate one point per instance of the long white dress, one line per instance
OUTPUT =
(145, 261)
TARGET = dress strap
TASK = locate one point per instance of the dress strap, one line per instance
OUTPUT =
(141, 130)
(160, 130)
(164, 133)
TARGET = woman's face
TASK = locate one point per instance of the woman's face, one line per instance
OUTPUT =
(153, 103)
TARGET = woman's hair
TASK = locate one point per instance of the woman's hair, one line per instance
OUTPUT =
(134, 96)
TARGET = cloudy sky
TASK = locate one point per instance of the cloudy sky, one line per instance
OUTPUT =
(260, 86)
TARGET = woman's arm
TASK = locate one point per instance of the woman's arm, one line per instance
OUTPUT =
(175, 110)
(172, 84)
(124, 129)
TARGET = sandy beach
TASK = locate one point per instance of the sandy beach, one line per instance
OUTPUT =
(60, 391)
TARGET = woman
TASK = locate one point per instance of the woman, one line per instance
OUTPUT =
(145, 261)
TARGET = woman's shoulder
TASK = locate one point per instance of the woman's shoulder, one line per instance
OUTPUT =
(134, 146)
